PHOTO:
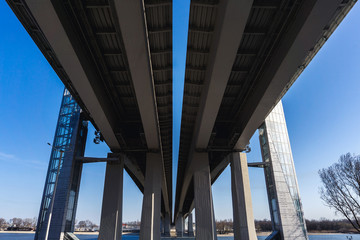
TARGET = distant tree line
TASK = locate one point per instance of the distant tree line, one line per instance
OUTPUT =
(224, 226)
(86, 225)
(329, 225)
(133, 223)
(30, 224)
(322, 225)
(22, 223)
(263, 225)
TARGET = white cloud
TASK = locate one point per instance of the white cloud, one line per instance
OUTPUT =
(5, 156)
(26, 162)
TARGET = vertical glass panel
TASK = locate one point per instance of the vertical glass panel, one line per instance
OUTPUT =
(275, 144)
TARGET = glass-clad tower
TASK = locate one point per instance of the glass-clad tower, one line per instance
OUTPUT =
(69, 143)
(282, 187)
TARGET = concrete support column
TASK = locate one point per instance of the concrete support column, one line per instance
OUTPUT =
(205, 227)
(190, 226)
(151, 208)
(161, 225)
(111, 213)
(179, 224)
(244, 226)
(167, 225)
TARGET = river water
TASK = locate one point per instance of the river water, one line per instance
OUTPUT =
(29, 236)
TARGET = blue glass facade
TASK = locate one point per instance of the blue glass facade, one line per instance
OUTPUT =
(70, 137)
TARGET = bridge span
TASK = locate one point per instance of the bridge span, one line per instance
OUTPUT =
(242, 57)
(115, 60)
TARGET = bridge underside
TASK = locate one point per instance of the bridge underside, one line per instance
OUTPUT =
(242, 57)
(115, 58)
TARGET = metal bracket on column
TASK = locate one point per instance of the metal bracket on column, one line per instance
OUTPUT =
(202, 150)
(94, 159)
(130, 150)
(258, 164)
(247, 149)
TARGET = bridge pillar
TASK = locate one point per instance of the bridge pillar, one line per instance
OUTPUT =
(162, 225)
(151, 208)
(111, 213)
(167, 225)
(205, 218)
(244, 226)
(179, 224)
(190, 226)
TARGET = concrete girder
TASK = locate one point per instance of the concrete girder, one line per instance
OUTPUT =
(233, 14)
(130, 14)
(82, 79)
(304, 34)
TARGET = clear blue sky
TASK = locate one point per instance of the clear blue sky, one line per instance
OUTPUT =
(321, 108)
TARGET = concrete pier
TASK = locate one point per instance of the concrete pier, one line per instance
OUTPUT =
(190, 226)
(162, 225)
(179, 224)
(244, 226)
(111, 213)
(205, 228)
(151, 208)
(167, 223)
